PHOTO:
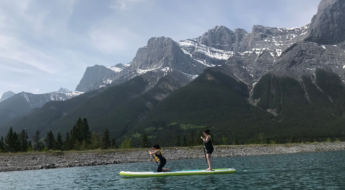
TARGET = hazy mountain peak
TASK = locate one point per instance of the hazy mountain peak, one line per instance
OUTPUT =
(7, 95)
(64, 90)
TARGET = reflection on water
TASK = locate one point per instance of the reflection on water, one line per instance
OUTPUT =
(296, 171)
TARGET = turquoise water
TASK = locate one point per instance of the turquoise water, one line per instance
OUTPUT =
(321, 170)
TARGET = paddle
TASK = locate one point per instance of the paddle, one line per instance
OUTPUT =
(204, 152)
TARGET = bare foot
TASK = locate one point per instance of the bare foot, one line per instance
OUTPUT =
(209, 169)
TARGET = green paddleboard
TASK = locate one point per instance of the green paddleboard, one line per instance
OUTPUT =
(178, 173)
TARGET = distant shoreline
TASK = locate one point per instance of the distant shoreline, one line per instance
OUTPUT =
(54, 159)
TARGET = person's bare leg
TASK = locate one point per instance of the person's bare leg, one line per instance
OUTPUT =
(208, 157)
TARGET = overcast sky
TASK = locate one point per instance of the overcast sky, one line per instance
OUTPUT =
(45, 45)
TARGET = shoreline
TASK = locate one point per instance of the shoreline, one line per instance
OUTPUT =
(60, 159)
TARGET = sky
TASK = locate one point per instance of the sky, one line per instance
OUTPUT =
(45, 45)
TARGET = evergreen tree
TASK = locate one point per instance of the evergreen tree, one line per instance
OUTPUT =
(86, 134)
(76, 145)
(144, 141)
(83, 145)
(77, 130)
(106, 139)
(113, 144)
(67, 145)
(80, 132)
(191, 139)
(96, 141)
(50, 141)
(58, 143)
(184, 143)
(178, 141)
(23, 141)
(38, 146)
(16, 142)
(10, 141)
(2, 144)
(29, 146)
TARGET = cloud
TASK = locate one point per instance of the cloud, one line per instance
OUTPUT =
(123, 4)
(111, 39)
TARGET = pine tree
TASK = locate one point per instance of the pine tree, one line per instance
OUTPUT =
(113, 144)
(86, 134)
(77, 131)
(76, 145)
(67, 143)
(83, 145)
(144, 141)
(38, 146)
(58, 143)
(178, 141)
(184, 143)
(96, 142)
(23, 140)
(10, 140)
(16, 141)
(50, 140)
(106, 139)
(2, 144)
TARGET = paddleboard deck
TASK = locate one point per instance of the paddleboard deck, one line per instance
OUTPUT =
(178, 173)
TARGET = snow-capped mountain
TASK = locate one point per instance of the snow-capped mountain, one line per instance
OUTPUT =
(256, 52)
(24, 102)
(249, 55)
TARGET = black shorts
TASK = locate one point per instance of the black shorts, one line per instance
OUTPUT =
(209, 151)
(161, 165)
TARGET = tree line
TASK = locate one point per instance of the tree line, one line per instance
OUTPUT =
(79, 138)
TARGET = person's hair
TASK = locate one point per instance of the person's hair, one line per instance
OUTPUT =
(156, 146)
(207, 131)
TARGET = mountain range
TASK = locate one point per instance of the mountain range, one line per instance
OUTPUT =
(280, 82)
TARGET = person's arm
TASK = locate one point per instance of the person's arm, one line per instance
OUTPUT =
(206, 139)
(154, 152)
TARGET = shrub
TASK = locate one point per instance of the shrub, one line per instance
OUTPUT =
(127, 143)
(224, 141)
(45, 149)
(329, 140)
(30, 149)
(273, 142)
(337, 140)
(0, 150)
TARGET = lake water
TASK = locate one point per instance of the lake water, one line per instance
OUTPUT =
(321, 170)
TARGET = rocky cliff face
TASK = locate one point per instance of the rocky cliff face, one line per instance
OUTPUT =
(164, 53)
(98, 76)
(328, 25)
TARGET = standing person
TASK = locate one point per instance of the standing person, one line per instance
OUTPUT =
(209, 148)
(159, 157)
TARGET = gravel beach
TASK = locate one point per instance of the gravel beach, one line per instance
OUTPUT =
(49, 160)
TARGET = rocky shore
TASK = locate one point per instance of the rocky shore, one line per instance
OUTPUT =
(48, 160)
